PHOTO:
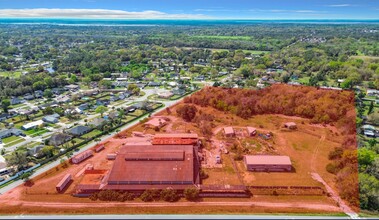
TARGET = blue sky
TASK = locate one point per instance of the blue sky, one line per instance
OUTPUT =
(193, 9)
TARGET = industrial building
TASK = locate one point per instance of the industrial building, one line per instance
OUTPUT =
(176, 139)
(140, 167)
(267, 163)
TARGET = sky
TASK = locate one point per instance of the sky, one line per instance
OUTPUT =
(191, 9)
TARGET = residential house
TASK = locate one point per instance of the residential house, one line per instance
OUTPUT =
(4, 116)
(79, 130)
(38, 94)
(97, 123)
(372, 92)
(154, 84)
(83, 106)
(179, 92)
(72, 87)
(15, 101)
(10, 132)
(36, 151)
(59, 139)
(31, 125)
(29, 97)
(52, 119)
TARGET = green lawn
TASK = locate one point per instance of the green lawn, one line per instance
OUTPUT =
(12, 140)
(11, 74)
(33, 131)
(91, 134)
(77, 141)
(303, 80)
(32, 144)
(137, 113)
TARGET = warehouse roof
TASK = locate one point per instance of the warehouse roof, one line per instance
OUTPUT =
(177, 135)
(267, 160)
(153, 170)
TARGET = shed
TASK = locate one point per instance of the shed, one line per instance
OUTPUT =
(229, 132)
(80, 157)
(290, 125)
(251, 131)
(267, 163)
(63, 183)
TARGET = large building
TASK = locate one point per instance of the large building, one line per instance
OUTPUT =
(176, 139)
(141, 167)
(267, 163)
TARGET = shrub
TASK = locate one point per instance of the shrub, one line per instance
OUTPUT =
(191, 193)
(203, 174)
(150, 195)
(169, 195)
(332, 168)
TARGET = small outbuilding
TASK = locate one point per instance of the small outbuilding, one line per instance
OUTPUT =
(290, 125)
(251, 131)
(229, 132)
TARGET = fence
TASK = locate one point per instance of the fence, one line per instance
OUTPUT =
(17, 175)
(286, 190)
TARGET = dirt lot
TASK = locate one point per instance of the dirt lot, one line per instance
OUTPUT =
(308, 147)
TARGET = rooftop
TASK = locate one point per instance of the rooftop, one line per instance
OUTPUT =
(159, 163)
(267, 160)
(229, 130)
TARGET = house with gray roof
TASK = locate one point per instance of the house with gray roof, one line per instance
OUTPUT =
(79, 130)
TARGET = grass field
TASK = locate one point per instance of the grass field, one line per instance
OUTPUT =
(36, 131)
(12, 140)
(11, 74)
(92, 134)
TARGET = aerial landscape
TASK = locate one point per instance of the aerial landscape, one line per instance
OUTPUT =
(115, 109)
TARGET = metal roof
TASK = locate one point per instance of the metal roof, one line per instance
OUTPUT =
(267, 160)
(124, 171)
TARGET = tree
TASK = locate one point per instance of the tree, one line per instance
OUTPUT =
(169, 195)
(191, 193)
(48, 93)
(371, 107)
(368, 191)
(86, 81)
(48, 151)
(5, 103)
(17, 158)
(101, 110)
(48, 111)
(187, 112)
(26, 176)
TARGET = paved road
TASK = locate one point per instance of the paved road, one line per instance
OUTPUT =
(169, 217)
(51, 165)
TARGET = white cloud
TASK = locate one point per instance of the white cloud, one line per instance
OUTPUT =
(93, 13)
(285, 11)
(340, 5)
(218, 10)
